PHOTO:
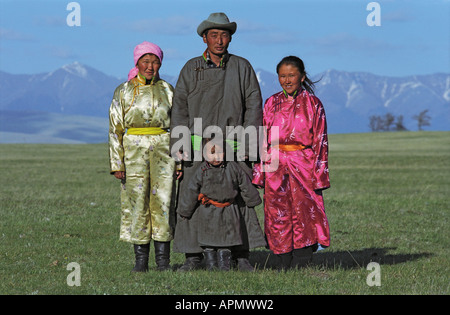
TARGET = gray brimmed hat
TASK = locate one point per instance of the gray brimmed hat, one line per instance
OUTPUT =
(216, 20)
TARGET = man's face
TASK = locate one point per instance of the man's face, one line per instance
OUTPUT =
(217, 41)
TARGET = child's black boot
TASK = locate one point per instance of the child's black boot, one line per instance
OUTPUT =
(224, 259)
(210, 259)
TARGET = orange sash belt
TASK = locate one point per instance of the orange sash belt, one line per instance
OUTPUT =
(206, 201)
(290, 147)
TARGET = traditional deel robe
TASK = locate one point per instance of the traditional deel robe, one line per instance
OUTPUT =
(293, 203)
(146, 195)
(223, 96)
(228, 184)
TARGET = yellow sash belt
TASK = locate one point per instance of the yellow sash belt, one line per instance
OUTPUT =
(146, 131)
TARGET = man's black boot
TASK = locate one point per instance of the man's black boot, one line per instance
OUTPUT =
(192, 262)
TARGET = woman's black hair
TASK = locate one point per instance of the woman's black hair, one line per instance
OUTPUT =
(307, 84)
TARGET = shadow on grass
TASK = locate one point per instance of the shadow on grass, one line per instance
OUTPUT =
(265, 259)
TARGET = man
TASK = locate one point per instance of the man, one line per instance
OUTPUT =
(216, 89)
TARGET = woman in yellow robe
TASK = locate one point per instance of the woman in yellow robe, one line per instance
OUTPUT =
(139, 119)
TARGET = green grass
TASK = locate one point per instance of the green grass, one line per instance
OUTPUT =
(389, 203)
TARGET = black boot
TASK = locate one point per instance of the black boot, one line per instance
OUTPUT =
(141, 252)
(301, 257)
(210, 259)
(240, 260)
(285, 260)
(192, 262)
(224, 259)
(162, 255)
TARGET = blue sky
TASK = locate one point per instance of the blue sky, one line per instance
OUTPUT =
(413, 37)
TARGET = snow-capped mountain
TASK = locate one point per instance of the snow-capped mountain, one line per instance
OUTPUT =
(350, 98)
(71, 103)
(73, 89)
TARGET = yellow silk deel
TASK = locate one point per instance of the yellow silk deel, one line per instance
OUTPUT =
(139, 145)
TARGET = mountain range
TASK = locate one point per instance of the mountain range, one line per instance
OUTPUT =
(70, 104)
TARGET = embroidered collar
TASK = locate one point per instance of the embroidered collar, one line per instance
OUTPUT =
(211, 64)
(295, 94)
(144, 81)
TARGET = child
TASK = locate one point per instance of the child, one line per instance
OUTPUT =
(295, 221)
(217, 191)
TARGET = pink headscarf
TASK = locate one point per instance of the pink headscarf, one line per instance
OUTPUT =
(139, 51)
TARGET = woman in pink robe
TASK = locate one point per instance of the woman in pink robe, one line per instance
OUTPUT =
(297, 171)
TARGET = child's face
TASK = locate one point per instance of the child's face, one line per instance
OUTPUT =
(214, 153)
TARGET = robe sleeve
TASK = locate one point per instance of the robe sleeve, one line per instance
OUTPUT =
(320, 176)
(253, 114)
(249, 193)
(189, 196)
(258, 173)
(116, 131)
(180, 113)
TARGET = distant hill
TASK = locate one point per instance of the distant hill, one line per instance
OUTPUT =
(70, 104)
(45, 127)
(350, 98)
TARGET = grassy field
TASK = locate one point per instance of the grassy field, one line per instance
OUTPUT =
(389, 203)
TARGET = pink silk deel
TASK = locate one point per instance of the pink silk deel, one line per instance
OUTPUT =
(293, 203)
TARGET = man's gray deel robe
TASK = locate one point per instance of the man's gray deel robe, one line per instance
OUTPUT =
(222, 96)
